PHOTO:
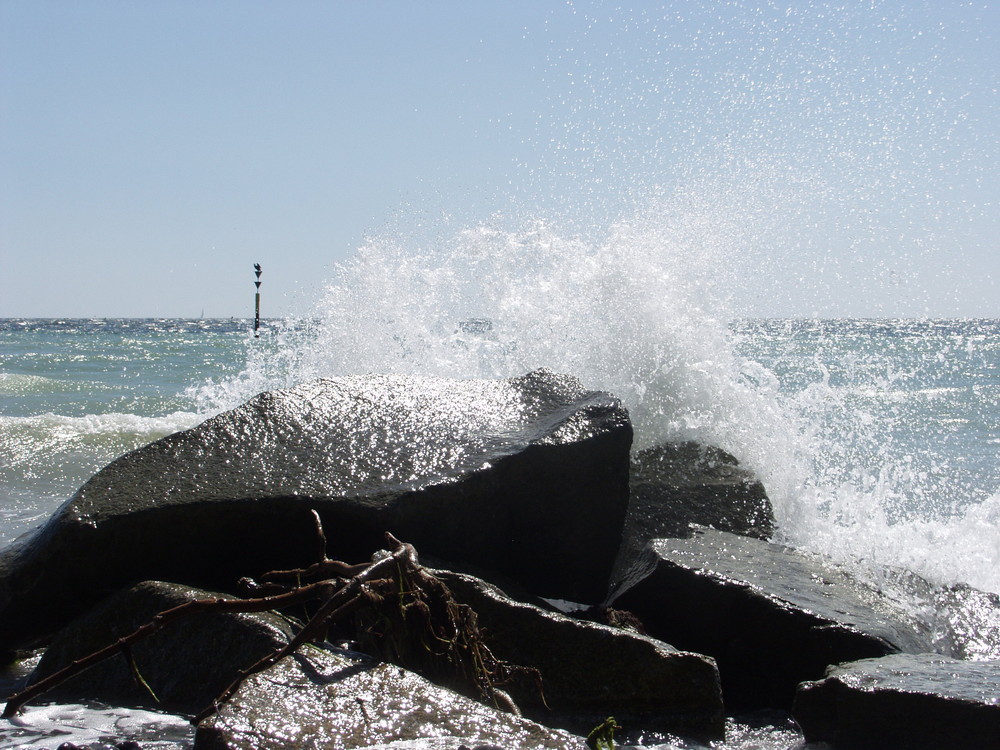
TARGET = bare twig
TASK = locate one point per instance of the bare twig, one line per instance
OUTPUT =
(343, 601)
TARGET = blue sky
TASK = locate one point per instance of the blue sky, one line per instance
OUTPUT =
(151, 152)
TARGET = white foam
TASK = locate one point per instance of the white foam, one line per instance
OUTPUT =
(638, 312)
(852, 526)
(47, 726)
(65, 427)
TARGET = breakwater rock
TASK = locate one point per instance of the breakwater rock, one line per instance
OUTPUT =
(185, 665)
(590, 671)
(770, 616)
(526, 476)
(582, 672)
(675, 485)
(910, 702)
(323, 699)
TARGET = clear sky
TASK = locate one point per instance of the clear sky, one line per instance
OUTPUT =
(151, 152)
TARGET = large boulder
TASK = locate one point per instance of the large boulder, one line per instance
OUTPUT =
(526, 476)
(590, 671)
(675, 485)
(903, 701)
(771, 616)
(323, 699)
(965, 621)
(186, 664)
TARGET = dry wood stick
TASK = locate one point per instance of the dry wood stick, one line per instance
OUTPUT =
(324, 567)
(333, 609)
(311, 629)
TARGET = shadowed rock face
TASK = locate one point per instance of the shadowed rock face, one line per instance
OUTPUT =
(187, 664)
(772, 617)
(472, 471)
(591, 671)
(693, 483)
(911, 702)
(675, 485)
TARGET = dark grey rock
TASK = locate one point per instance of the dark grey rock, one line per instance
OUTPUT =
(319, 699)
(691, 483)
(903, 701)
(772, 617)
(678, 484)
(956, 620)
(591, 671)
(526, 476)
(187, 663)
(965, 622)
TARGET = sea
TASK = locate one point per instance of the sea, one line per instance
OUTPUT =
(876, 439)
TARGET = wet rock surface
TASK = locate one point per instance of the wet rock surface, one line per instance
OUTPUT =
(186, 664)
(526, 476)
(590, 671)
(904, 701)
(323, 699)
(771, 616)
(967, 622)
(675, 485)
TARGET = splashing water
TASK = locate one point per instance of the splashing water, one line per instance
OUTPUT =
(706, 162)
(696, 164)
(634, 313)
(639, 314)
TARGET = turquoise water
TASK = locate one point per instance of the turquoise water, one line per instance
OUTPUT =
(919, 397)
(75, 394)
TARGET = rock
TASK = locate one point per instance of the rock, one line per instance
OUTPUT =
(903, 701)
(771, 617)
(526, 476)
(678, 484)
(675, 485)
(591, 671)
(960, 621)
(966, 622)
(322, 699)
(15, 673)
(187, 663)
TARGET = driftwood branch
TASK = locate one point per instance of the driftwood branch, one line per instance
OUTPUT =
(344, 600)
(324, 568)
(403, 613)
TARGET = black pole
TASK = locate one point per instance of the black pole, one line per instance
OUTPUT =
(256, 318)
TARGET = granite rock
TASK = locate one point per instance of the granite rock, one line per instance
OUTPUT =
(323, 699)
(771, 616)
(187, 663)
(675, 485)
(903, 701)
(590, 671)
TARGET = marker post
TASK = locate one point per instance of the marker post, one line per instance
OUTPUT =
(256, 318)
